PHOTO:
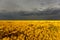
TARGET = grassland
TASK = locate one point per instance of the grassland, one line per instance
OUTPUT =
(29, 30)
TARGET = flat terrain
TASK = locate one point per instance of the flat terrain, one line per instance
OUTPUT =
(29, 30)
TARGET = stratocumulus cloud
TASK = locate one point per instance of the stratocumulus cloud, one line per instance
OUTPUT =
(17, 5)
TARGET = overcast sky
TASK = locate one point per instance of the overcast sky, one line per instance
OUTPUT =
(13, 5)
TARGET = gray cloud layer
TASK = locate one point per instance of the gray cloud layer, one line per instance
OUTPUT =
(13, 5)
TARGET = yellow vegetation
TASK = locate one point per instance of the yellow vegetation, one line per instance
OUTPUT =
(29, 30)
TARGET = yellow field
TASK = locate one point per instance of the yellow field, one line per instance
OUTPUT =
(29, 30)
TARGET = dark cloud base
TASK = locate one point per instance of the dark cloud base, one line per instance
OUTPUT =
(48, 14)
